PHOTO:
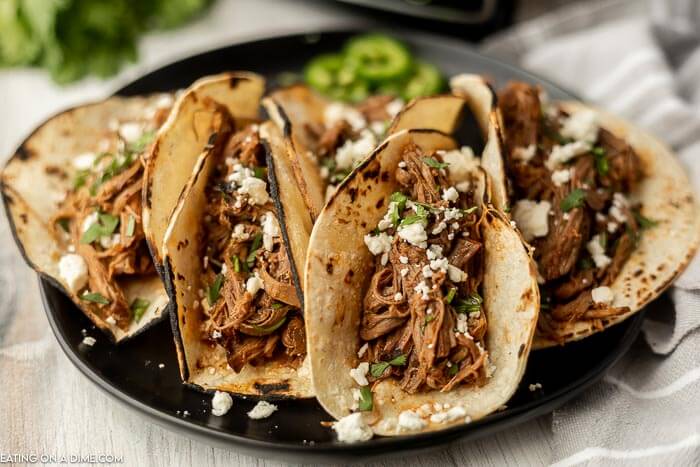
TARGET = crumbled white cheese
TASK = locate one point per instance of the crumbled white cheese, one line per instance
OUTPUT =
(403, 259)
(221, 403)
(239, 233)
(73, 270)
(434, 252)
(256, 189)
(423, 289)
(562, 154)
(532, 218)
(164, 101)
(108, 241)
(84, 161)
(394, 107)
(130, 131)
(352, 428)
(440, 264)
(270, 229)
(455, 274)
(581, 126)
(253, 284)
(404, 272)
(453, 214)
(597, 252)
(386, 221)
(398, 296)
(612, 226)
(524, 154)
(110, 320)
(451, 194)
(456, 412)
(462, 163)
(462, 323)
(362, 350)
(89, 341)
(325, 172)
(224, 268)
(378, 128)
(618, 208)
(262, 409)
(88, 221)
(352, 153)
(216, 334)
(427, 272)
(559, 177)
(359, 374)
(336, 112)
(379, 244)
(602, 295)
(439, 228)
(414, 234)
(464, 186)
(534, 387)
(410, 421)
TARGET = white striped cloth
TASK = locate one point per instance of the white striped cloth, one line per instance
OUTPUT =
(642, 61)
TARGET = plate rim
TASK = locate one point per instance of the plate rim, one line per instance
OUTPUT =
(378, 447)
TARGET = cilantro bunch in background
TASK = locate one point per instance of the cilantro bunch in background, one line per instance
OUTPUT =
(75, 38)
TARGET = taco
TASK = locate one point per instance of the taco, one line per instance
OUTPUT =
(72, 192)
(325, 139)
(230, 254)
(421, 301)
(193, 122)
(608, 209)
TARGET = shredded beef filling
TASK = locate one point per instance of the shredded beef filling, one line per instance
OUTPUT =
(429, 324)
(109, 194)
(255, 324)
(610, 166)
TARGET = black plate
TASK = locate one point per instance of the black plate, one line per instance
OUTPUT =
(131, 372)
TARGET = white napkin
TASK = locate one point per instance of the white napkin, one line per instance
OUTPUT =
(641, 61)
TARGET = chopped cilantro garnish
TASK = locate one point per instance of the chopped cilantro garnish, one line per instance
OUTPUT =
(585, 263)
(260, 172)
(399, 200)
(470, 304)
(603, 240)
(138, 308)
(453, 369)
(270, 329)
(64, 224)
(434, 163)
(377, 369)
(450, 295)
(130, 226)
(421, 215)
(573, 200)
(95, 297)
(215, 289)
(257, 241)
(105, 225)
(277, 305)
(644, 222)
(601, 161)
(238, 265)
(140, 144)
(80, 178)
(365, 403)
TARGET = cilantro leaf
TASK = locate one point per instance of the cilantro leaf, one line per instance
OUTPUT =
(138, 307)
(399, 200)
(365, 403)
(573, 200)
(644, 222)
(140, 144)
(215, 289)
(105, 225)
(434, 163)
(450, 295)
(95, 297)
(421, 215)
(270, 329)
(472, 303)
(601, 160)
(377, 369)
(255, 246)
(453, 369)
(130, 226)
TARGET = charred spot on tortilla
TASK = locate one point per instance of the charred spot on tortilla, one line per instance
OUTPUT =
(329, 267)
(24, 153)
(212, 140)
(271, 388)
(348, 276)
(521, 349)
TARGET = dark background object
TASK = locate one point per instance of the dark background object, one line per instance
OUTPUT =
(467, 19)
(131, 374)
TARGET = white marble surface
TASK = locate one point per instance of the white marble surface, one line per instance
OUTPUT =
(47, 406)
